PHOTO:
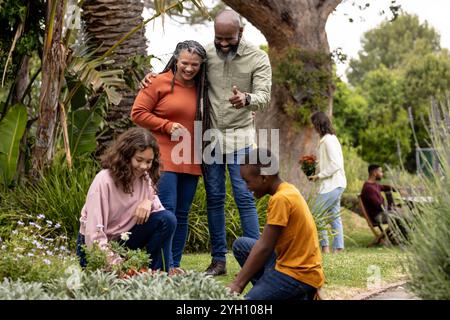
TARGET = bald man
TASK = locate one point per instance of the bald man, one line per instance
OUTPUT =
(240, 78)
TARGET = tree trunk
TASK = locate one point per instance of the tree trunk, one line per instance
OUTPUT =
(22, 81)
(290, 24)
(53, 61)
(106, 22)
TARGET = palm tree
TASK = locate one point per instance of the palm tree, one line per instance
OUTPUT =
(106, 22)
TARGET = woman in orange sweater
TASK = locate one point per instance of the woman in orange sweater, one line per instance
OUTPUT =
(169, 108)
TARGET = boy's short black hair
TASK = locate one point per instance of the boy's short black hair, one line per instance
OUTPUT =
(262, 161)
(373, 167)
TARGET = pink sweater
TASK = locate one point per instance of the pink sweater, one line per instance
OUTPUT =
(109, 211)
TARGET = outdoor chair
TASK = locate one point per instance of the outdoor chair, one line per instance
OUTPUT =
(380, 236)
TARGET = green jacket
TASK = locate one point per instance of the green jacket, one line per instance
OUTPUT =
(251, 72)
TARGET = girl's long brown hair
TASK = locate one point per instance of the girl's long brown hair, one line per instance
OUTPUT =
(117, 157)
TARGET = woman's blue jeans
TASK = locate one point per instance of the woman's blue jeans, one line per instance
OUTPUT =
(155, 236)
(176, 192)
(331, 203)
(214, 178)
(268, 283)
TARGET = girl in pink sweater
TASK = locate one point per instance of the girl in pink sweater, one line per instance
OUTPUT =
(122, 199)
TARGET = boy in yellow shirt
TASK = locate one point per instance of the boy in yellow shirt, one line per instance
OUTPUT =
(285, 263)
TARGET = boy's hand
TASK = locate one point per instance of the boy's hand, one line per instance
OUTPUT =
(143, 211)
(234, 288)
(147, 80)
(237, 100)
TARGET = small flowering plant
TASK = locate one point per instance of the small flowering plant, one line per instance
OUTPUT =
(116, 257)
(308, 164)
(34, 250)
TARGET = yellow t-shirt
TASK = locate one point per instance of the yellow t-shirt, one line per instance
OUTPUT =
(297, 249)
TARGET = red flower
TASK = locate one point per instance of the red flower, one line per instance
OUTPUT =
(308, 164)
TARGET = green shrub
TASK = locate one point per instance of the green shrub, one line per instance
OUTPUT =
(31, 253)
(59, 195)
(98, 285)
(96, 258)
(427, 243)
(355, 170)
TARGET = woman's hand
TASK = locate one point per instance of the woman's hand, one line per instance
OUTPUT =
(177, 129)
(143, 211)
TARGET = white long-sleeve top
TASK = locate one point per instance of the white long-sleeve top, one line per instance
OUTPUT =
(331, 164)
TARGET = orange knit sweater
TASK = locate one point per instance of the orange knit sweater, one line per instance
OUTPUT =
(156, 108)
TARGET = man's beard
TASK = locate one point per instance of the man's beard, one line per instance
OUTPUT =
(378, 178)
(229, 55)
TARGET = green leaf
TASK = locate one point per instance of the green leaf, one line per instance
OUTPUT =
(87, 69)
(83, 127)
(12, 128)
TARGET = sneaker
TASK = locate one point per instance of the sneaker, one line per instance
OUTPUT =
(217, 268)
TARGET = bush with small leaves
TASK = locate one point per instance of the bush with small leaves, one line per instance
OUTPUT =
(86, 285)
(31, 253)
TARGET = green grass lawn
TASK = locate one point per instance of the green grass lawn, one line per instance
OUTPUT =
(347, 274)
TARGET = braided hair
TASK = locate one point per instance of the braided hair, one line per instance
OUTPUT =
(203, 112)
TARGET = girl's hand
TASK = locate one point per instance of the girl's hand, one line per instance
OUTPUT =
(143, 211)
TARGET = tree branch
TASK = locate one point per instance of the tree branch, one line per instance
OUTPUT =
(326, 7)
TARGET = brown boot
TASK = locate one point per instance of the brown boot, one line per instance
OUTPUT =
(217, 268)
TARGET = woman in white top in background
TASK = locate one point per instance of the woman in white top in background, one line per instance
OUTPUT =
(332, 179)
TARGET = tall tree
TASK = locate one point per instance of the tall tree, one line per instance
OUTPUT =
(53, 63)
(106, 22)
(391, 44)
(300, 57)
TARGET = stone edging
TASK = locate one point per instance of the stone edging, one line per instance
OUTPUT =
(367, 295)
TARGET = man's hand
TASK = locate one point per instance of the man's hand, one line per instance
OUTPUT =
(313, 178)
(234, 288)
(237, 100)
(147, 80)
(143, 211)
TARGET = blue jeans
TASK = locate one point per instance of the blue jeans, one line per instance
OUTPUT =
(214, 178)
(331, 203)
(155, 236)
(268, 283)
(176, 192)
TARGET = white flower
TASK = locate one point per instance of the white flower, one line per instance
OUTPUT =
(41, 216)
(15, 232)
(3, 247)
(49, 223)
(35, 225)
(57, 226)
(62, 248)
(30, 254)
(20, 223)
(125, 236)
(46, 261)
(49, 253)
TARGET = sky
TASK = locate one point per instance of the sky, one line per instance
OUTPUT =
(340, 32)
